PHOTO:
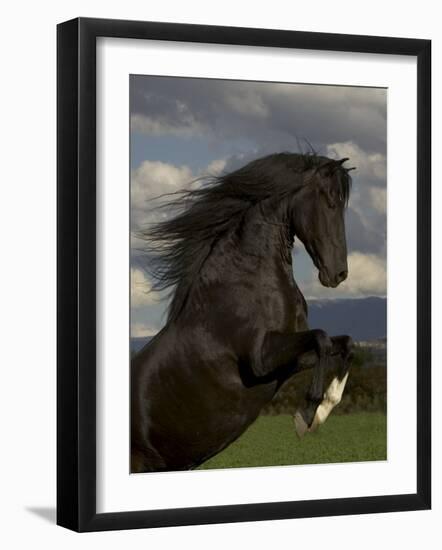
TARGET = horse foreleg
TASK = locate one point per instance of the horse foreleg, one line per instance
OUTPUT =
(280, 351)
(305, 418)
(332, 397)
(342, 346)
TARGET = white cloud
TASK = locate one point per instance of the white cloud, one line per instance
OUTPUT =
(140, 330)
(367, 276)
(369, 165)
(140, 289)
(247, 102)
(154, 178)
(216, 167)
(184, 124)
(151, 180)
(378, 198)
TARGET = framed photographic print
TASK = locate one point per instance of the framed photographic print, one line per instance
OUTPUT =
(243, 274)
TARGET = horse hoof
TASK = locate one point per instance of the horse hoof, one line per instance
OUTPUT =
(300, 425)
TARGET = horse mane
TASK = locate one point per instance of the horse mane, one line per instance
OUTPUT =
(177, 247)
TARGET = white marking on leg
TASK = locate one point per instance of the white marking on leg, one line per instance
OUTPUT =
(335, 390)
(332, 397)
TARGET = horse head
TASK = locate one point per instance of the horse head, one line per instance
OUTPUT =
(318, 218)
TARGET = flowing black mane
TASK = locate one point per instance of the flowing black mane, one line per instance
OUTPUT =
(178, 246)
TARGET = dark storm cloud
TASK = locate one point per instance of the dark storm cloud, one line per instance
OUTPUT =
(274, 114)
(339, 121)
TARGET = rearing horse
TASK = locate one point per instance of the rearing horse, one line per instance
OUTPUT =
(237, 324)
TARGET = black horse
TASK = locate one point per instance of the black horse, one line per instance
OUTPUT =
(237, 323)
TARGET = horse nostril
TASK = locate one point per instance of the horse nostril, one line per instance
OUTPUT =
(342, 276)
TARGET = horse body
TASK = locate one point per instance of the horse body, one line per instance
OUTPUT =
(206, 376)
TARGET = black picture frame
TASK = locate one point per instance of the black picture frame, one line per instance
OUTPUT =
(76, 273)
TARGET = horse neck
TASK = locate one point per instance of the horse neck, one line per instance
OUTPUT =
(266, 235)
(258, 245)
(261, 241)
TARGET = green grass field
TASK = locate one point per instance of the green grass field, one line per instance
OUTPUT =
(272, 441)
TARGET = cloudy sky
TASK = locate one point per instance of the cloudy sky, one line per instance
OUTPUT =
(182, 128)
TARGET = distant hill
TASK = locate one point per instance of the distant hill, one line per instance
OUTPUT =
(362, 318)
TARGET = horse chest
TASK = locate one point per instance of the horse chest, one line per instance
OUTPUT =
(279, 308)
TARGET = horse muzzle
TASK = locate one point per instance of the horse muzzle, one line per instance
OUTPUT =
(332, 282)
